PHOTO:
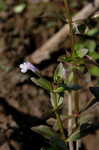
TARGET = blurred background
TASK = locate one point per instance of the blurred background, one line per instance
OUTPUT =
(25, 25)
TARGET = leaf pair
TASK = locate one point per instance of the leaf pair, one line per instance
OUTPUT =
(58, 77)
(84, 130)
(56, 100)
(59, 73)
(53, 138)
(95, 101)
(64, 87)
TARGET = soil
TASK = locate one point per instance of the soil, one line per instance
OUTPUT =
(22, 104)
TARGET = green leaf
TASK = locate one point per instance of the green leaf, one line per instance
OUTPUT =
(72, 59)
(94, 71)
(84, 130)
(42, 82)
(45, 131)
(65, 59)
(78, 46)
(59, 73)
(93, 32)
(19, 8)
(84, 47)
(55, 143)
(94, 55)
(58, 144)
(81, 52)
(56, 100)
(64, 87)
(70, 77)
(91, 45)
(86, 118)
(59, 89)
(59, 100)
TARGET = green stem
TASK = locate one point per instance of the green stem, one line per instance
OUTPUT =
(59, 121)
(70, 24)
(60, 125)
(70, 120)
(76, 99)
(76, 95)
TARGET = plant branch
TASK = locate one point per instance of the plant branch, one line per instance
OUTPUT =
(70, 24)
(70, 120)
(54, 42)
(59, 121)
(60, 125)
(76, 98)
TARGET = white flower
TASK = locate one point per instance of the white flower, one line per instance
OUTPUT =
(28, 66)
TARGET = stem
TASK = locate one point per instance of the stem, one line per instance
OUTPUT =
(60, 125)
(76, 104)
(78, 143)
(70, 25)
(76, 95)
(70, 120)
(59, 121)
(70, 116)
(76, 99)
(69, 113)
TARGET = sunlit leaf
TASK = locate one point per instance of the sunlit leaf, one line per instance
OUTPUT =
(19, 8)
(94, 70)
(65, 59)
(56, 100)
(84, 47)
(59, 73)
(81, 52)
(70, 77)
(93, 32)
(91, 45)
(59, 100)
(59, 89)
(42, 82)
(45, 131)
(94, 55)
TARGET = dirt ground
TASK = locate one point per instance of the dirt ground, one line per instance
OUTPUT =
(22, 104)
